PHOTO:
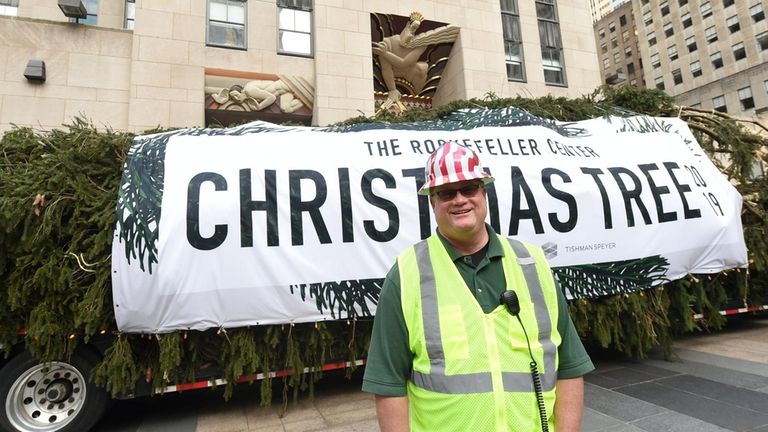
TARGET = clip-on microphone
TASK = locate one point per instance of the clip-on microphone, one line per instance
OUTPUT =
(510, 300)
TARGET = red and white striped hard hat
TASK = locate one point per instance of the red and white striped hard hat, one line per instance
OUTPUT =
(452, 163)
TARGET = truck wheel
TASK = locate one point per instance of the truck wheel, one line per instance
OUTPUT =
(48, 397)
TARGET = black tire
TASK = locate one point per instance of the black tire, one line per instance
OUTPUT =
(57, 396)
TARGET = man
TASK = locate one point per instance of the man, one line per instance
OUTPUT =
(445, 353)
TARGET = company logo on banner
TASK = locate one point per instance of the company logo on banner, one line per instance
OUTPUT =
(264, 224)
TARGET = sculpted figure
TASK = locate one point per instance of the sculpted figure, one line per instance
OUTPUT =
(399, 55)
(260, 94)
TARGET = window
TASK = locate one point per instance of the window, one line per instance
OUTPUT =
(677, 77)
(616, 58)
(226, 23)
(717, 60)
(762, 41)
(600, 32)
(606, 63)
(604, 47)
(659, 81)
(710, 33)
(706, 10)
(130, 13)
(757, 13)
(651, 38)
(664, 6)
(655, 62)
(690, 42)
(630, 68)
(614, 42)
(633, 82)
(623, 20)
(92, 13)
(612, 27)
(294, 27)
(719, 104)
(9, 7)
(554, 71)
(727, 3)
(668, 30)
(745, 96)
(696, 68)
(648, 18)
(682, 2)
(628, 52)
(513, 41)
(686, 20)
(672, 52)
(733, 24)
(738, 51)
(551, 42)
(625, 35)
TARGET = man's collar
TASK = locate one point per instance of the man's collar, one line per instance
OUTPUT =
(494, 245)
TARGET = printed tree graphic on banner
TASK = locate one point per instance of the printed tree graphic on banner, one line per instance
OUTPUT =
(139, 199)
(611, 278)
(469, 119)
(345, 299)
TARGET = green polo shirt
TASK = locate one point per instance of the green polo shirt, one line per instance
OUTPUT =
(389, 358)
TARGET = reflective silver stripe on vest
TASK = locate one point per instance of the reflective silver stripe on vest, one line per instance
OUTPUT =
(455, 384)
(436, 380)
(549, 377)
(429, 311)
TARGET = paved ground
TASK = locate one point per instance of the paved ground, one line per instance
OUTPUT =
(719, 384)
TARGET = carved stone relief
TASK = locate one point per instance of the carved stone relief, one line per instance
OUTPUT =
(267, 96)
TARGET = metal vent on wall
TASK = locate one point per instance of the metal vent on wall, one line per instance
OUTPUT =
(35, 71)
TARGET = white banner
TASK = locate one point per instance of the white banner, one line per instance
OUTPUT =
(264, 225)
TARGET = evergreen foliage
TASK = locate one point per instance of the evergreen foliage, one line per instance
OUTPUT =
(57, 217)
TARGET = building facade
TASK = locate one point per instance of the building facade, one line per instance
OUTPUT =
(710, 54)
(138, 64)
(618, 48)
(600, 8)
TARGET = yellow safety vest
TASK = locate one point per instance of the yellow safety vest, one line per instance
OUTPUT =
(471, 370)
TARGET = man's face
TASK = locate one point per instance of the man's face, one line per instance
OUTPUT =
(460, 209)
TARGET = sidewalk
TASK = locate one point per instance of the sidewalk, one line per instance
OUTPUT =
(719, 384)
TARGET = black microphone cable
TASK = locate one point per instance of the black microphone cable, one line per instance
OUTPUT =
(510, 300)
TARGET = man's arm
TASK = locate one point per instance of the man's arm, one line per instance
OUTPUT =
(392, 412)
(569, 404)
(389, 358)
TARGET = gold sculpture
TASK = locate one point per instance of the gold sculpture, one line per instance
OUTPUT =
(399, 56)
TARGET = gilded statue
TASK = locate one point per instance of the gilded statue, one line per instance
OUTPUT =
(399, 56)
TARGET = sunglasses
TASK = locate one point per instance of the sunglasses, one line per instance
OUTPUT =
(467, 191)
